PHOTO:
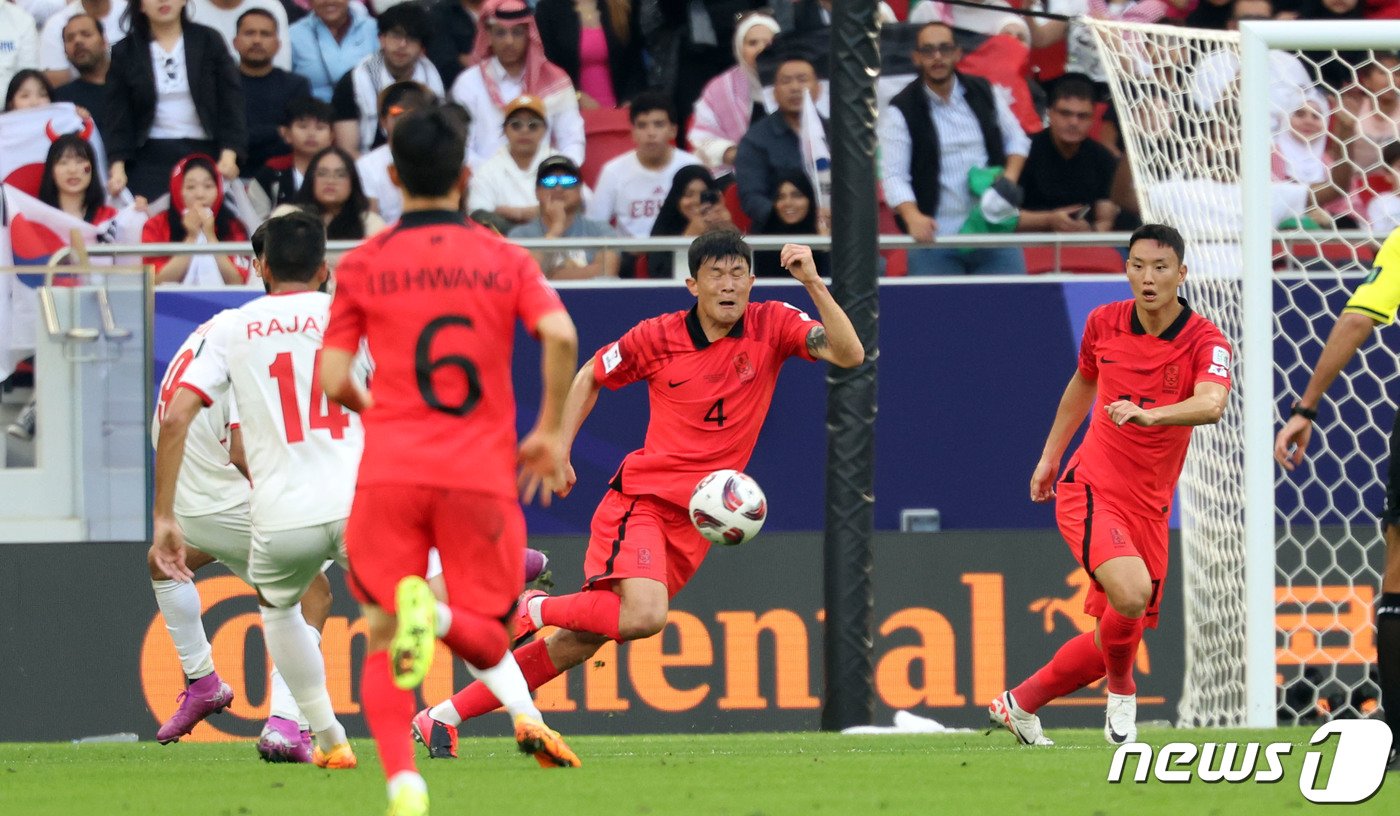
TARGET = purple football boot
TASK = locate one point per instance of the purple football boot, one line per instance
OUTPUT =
(536, 563)
(282, 741)
(205, 696)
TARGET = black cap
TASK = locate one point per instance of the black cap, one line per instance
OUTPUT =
(555, 165)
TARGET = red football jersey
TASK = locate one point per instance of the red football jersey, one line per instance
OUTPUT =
(708, 400)
(1132, 467)
(437, 301)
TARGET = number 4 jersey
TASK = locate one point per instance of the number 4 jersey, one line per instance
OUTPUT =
(437, 301)
(708, 400)
(302, 449)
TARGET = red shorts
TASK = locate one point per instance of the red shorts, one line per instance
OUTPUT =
(642, 537)
(480, 538)
(1097, 531)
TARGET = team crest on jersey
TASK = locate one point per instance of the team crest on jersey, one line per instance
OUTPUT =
(643, 557)
(1171, 378)
(743, 366)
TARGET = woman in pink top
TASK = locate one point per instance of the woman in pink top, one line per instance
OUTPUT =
(598, 43)
(734, 98)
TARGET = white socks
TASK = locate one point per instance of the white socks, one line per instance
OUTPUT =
(297, 654)
(445, 712)
(506, 682)
(444, 619)
(535, 607)
(179, 605)
(282, 703)
(406, 779)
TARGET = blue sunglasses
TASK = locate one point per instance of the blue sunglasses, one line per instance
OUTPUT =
(565, 181)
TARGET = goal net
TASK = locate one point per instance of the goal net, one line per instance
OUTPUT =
(1328, 200)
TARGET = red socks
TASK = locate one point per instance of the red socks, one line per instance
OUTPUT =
(593, 611)
(535, 665)
(1120, 637)
(477, 639)
(1077, 664)
(597, 611)
(388, 711)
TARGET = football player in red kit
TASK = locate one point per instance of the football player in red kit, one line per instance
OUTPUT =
(437, 300)
(1155, 369)
(710, 372)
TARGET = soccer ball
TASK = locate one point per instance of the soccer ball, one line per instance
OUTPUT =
(728, 507)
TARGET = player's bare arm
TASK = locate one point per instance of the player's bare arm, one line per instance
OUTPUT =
(339, 385)
(542, 453)
(1348, 333)
(835, 341)
(168, 549)
(1075, 403)
(1205, 406)
(583, 395)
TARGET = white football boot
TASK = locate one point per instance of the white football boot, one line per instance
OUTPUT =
(1024, 726)
(1120, 720)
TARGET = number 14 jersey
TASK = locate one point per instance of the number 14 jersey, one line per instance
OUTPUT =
(302, 449)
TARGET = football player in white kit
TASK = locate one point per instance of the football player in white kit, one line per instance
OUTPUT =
(211, 507)
(302, 452)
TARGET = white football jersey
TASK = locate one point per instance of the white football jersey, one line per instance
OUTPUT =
(208, 483)
(631, 195)
(303, 449)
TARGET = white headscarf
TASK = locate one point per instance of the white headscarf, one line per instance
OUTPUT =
(740, 32)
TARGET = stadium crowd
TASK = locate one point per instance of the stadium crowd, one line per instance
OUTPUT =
(646, 117)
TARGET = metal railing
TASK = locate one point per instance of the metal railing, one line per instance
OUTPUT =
(1057, 241)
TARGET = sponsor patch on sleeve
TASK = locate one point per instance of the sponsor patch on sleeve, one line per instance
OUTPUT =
(800, 314)
(612, 358)
(1219, 363)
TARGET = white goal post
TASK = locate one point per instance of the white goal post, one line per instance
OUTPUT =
(1222, 133)
(1257, 39)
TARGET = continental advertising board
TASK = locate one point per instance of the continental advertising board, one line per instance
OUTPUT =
(958, 617)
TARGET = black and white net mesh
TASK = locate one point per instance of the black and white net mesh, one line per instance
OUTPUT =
(1332, 199)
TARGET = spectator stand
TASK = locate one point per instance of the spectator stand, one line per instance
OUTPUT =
(608, 133)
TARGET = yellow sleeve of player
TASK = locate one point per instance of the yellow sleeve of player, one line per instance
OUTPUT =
(1378, 296)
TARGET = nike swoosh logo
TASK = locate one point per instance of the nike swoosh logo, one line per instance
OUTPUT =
(678, 384)
(1117, 737)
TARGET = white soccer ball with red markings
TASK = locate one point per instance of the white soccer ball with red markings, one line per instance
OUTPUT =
(728, 507)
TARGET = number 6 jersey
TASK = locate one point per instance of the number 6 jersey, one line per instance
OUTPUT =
(437, 300)
(302, 449)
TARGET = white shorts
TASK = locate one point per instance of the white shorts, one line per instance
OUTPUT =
(226, 535)
(284, 562)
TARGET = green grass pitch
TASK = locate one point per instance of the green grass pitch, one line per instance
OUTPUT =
(742, 775)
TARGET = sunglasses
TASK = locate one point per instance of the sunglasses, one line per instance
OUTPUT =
(560, 180)
(941, 49)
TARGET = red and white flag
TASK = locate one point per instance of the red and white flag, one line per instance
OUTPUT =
(25, 136)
